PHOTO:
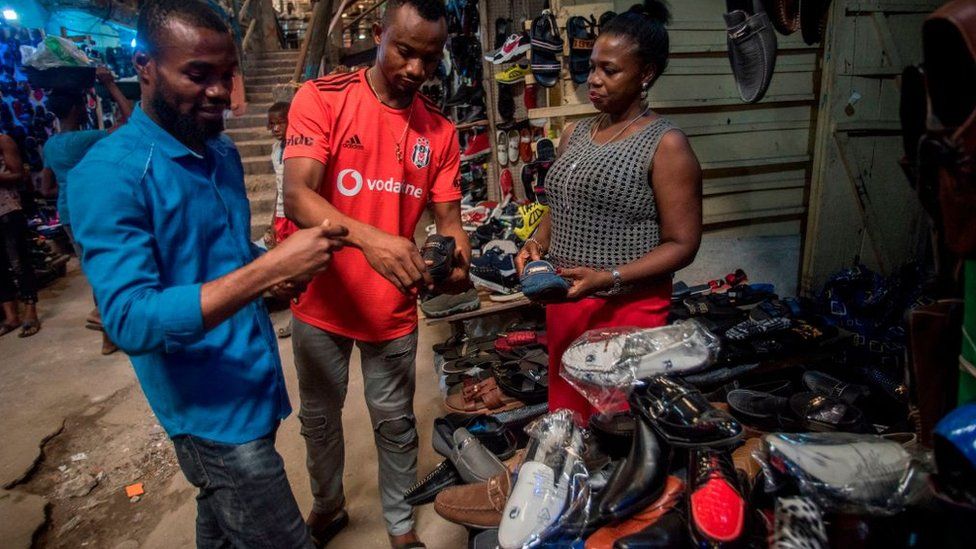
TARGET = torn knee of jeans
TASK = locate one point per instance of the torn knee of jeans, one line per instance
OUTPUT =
(397, 434)
(314, 427)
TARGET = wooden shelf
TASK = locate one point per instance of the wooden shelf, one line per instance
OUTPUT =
(581, 109)
(488, 308)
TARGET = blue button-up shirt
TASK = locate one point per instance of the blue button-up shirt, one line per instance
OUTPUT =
(155, 221)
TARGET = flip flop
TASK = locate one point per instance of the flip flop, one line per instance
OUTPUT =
(7, 328)
(29, 328)
(581, 40)
(546, 46)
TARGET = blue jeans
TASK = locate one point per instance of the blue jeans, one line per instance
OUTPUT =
(245, 499)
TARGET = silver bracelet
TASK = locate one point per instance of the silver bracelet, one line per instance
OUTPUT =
(617, 283)
(537, 243)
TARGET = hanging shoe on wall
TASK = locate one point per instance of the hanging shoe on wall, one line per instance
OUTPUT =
(547, 45)
(752, 47)
(784, 14)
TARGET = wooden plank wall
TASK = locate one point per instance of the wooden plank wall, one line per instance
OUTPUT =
(862, 208)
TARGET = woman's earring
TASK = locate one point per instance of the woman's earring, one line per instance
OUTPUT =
(644, 89)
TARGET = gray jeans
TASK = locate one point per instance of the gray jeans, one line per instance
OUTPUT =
(322, 360)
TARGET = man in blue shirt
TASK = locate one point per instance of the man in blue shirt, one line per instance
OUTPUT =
(161, 214)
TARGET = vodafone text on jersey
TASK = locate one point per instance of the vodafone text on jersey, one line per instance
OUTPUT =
(349, 182)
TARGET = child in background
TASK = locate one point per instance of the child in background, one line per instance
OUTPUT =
(281, 227)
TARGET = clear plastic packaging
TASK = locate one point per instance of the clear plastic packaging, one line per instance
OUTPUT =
(550, 486)
(847, 472)
(53, 52)
(604, 364)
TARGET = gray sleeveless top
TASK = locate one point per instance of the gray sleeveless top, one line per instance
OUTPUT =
(603, 210)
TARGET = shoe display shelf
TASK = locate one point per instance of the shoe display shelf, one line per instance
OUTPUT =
(488, 308)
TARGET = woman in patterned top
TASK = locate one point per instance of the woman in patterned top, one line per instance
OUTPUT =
(625, 198)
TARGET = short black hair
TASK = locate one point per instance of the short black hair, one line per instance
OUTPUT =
(431, 10)
(281, 107)
(645, 25)
(61, 102)
(153, 15)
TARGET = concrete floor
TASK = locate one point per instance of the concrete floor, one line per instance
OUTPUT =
(59, 374)
(59, 396)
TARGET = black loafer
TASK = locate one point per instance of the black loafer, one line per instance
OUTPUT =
(680, 414)
(761, 410)
(424, 492)
(825, 384)
(752, 47)
(823, 413)
(639, 478)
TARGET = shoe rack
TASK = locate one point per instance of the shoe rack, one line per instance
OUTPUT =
(554, 105)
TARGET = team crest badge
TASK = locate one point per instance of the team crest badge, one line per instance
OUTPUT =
(421, 153)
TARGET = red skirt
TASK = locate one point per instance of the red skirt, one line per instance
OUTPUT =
(567, 321)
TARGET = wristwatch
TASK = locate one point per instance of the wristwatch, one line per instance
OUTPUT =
(617, 283)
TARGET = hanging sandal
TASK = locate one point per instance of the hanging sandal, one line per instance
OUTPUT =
(581, 40)
(546, 46)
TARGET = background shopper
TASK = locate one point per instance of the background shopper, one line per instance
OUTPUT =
(17, 280)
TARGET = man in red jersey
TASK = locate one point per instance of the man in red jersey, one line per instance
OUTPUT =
(366, 151)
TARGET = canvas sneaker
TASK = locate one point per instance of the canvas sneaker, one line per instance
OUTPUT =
(531, 215)
(513, 74)
(494, 271)
(514, 46)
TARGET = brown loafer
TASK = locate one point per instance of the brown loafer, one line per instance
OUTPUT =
(475, 505)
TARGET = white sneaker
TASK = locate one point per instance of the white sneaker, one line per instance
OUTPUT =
(622, 358)
(542, 487)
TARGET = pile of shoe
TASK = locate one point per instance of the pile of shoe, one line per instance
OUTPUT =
(496, 373)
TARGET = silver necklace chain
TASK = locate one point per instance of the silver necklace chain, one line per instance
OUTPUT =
(403, 137)
(590, 151)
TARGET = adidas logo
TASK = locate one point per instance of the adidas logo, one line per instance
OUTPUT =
(354, 143)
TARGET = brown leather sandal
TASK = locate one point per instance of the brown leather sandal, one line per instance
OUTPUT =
(482, 397)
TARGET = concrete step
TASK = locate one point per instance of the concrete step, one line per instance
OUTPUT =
(263, 203)
(262, 80)
(257, 165)
(274, 55)
(257, 147)
(259, 226)
(255, 97)
(259, 183)
(246, 134)
(259, 89)
(283, 72)
(253, 119)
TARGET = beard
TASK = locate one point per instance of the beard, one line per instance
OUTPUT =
(184, 126)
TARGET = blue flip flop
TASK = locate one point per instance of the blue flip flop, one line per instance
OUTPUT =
(541, 283)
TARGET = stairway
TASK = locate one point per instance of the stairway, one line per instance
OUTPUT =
(250, 131)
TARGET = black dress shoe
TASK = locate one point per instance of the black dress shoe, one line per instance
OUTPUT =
(322, 532)
(680, 414)
(670, 531)
(761, 410)
(424, 492)
(716, 507)
(639, 478)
